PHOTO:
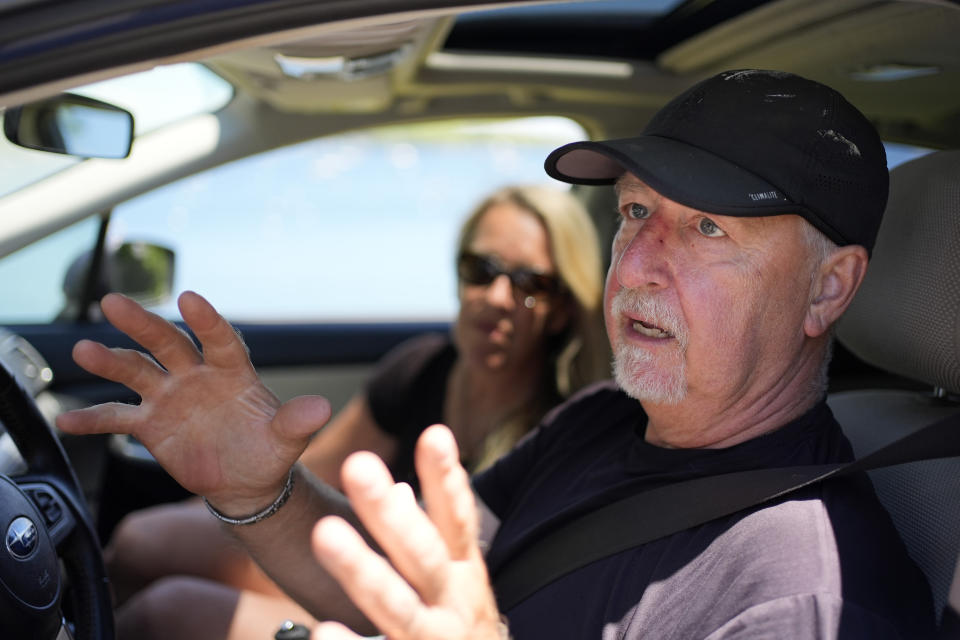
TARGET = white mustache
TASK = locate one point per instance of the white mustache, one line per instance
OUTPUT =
(653, 310)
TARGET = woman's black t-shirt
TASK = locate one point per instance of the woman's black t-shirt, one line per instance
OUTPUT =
(406, 394)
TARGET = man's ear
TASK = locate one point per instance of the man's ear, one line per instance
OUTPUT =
(837, 281)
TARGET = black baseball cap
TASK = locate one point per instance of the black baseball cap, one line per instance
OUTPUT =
(752, 142)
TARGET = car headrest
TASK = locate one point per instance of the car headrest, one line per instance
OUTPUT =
(906, 317)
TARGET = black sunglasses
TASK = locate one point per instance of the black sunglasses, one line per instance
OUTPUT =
(482, 270)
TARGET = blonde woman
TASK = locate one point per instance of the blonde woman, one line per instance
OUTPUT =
(528, 333)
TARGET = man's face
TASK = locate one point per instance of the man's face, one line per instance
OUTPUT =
(700, 305)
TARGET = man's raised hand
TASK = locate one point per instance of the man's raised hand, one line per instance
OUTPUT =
(204, 414)
(435, 586)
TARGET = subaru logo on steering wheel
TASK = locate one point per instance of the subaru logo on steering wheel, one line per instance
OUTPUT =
(22, 537)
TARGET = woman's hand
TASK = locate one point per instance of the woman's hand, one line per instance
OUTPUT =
(204, 415)
(437, 586)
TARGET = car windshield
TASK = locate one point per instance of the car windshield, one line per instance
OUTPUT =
(156, 98)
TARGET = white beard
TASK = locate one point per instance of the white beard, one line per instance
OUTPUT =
(634, 371)
(633, 367)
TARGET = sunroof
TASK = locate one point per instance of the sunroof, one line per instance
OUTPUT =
(618, 8)
(624, 29)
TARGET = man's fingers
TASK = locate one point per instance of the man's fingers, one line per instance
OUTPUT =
(392, 516)
(132, 368)
(446, 491)
(165, 341)
(222, 345)
(382, 595)
(114, 417)
(170, 345)
(439, 589)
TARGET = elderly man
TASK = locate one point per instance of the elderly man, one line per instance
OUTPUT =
(748, 207)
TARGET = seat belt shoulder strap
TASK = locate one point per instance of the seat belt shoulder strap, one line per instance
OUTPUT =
(626, 523)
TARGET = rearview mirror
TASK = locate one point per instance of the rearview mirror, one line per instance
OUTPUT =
(73, 125)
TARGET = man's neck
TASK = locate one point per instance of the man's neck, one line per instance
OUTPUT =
(704, 422)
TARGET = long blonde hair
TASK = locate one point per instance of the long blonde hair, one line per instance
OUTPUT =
(581, 354)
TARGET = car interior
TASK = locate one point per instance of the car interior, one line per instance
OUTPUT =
(267, 77)
(900, 293)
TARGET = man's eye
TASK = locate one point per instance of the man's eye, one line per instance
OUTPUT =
(637, 211)
(709, 228)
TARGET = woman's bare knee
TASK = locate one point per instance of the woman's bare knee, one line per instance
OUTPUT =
(131, 556)
(178, 539)
(178, 607)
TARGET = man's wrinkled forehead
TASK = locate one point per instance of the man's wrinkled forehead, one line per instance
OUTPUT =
(628, 180)
(629, 183)
(629, 186)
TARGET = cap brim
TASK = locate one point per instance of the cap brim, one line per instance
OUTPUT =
(683, 173)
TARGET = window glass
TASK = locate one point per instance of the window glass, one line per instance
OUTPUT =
(164, 94)
(634, 8)
(20, 167)
(157, 97)
(356, 226)
(359, 226)
(900, 153)
(32, 279)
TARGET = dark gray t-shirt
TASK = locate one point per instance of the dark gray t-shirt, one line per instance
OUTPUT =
(825, 563)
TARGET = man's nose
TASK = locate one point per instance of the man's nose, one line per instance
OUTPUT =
(644, 262)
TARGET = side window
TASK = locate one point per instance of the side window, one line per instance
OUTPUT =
(33, 279)
(359, 226)
(899, 153)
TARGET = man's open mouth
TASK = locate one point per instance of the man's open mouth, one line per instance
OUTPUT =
(649, 330)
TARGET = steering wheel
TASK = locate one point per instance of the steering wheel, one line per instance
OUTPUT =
(46, 526)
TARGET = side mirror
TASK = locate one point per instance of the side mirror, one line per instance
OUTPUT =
(140, 270)
(73, 125)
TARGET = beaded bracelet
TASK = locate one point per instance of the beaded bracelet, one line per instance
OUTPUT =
(260, 515)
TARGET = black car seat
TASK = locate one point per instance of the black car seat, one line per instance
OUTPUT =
(906, 320)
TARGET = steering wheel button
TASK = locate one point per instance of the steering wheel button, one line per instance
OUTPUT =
(52, 513)
(41, 497)
(49, 506)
